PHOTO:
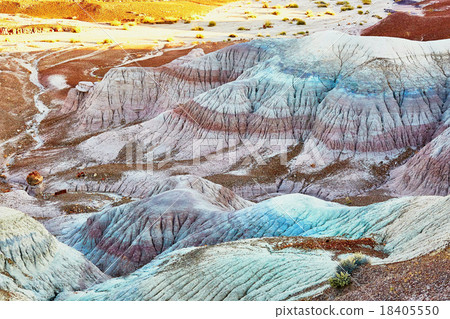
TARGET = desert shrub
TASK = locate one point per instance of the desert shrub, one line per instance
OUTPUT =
(149, 20)
(131, 23)
(259, 35)
(170, 40)
(330, 12)
(277, 7)
(349, 264)
(359, 6)
(59, 28)
(340, 280)
(342, 3)
(243, 29)
(126, 27)
(171, 20)
(309, 13)
(367, 2)
(276, 13)
(360, 12)
(212, 24)
(377, 16)
(322, 4)
(76, 29)
(197, 28)
(285, 19)
(74, 41)
(199, 36)
(107, 41)
(268, 24)
(187, 21)
(232, 35)
(265, 5)
(301, 22)
(116, 23)
(347, 7)
(292, 5)
(251, 16)
(282, 33)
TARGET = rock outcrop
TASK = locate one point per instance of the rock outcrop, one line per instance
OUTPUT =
(34, 265)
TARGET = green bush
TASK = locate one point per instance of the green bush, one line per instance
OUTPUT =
(360, 12)
(212, 24)
(347, 7)
(292, 5)
(282, 33)
(322, 4)
(197, 28)
(301, 22)
(149, 20)
(267, 24)
(340, 280)
(342, 3)
(199, 36)
(367, 2)
(232, 35)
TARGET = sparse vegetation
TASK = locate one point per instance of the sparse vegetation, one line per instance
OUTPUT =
(251, 16)
(232, 35)
(116, 23)
(360, 12)
(171, 20)
(285, 19)
(267, 24)
(292, 5)
(170, 40)
(197, 28)
(276, 13)
(149, 20)
(377, 16)
(199, 36)
(367, 2)
(301, 22)
(212, 24)
(265, 5)
(74, 40)
(342, 3)
(76, 29)
(107, 41)
(330, 12)
(309, 13)
(243, 29)
(322, 4)
(340, 280)
(347, 7)
(282, 33)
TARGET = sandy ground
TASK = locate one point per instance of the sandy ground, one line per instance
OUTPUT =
(228, 18)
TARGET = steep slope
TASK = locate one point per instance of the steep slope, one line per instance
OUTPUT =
(34, 265)
(258, 269)
(122, 239)
(286, 112)
(428, 172)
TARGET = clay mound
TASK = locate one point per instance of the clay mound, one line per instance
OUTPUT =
(282, 268)
(428, 172)
(34, 265)
(122, 239)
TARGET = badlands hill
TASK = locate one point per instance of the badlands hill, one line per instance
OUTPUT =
(259, 269)
(329, 115)
(34, 265)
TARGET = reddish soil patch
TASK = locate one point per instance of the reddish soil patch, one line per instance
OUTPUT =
(434, 25)
(366, 246)
(422, 278)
